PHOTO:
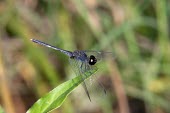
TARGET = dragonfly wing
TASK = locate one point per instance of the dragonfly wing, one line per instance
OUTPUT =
(95, 87)
(80, 68)
(93, 84)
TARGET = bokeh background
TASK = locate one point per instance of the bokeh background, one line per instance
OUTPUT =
(136, 31)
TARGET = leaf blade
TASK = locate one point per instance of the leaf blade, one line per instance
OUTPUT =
(56, 97)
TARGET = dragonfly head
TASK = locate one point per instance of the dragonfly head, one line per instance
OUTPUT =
(72, 57)
(92, 60)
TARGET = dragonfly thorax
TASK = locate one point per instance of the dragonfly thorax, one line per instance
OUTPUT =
(80, 55)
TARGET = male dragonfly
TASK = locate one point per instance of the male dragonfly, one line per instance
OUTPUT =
(81, 61)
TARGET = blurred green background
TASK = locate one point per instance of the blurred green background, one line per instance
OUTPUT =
(137, 32)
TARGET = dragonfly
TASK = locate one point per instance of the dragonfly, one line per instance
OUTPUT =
(81, 61)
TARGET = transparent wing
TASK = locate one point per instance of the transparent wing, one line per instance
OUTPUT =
(80, 68)
(96, 88)
(91, 85)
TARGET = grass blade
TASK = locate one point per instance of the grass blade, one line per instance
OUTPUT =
(56, 97)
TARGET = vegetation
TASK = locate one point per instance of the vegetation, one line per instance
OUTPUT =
(137, 32)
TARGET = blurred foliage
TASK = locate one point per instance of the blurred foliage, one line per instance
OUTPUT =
(137, 32)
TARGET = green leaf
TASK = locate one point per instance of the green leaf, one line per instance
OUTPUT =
(56, 97)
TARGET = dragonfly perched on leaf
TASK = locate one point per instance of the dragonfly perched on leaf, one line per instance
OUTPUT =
(81, 61)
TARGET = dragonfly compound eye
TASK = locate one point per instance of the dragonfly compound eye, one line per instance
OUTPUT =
(92, 60)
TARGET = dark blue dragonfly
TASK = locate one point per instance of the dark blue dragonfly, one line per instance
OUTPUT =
(81, 61)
